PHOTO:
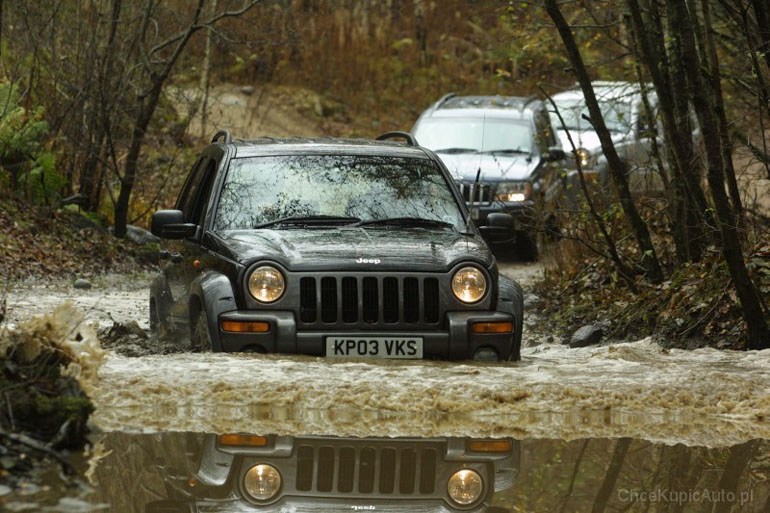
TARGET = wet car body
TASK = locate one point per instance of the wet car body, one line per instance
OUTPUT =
(362, 274)
(325, 473)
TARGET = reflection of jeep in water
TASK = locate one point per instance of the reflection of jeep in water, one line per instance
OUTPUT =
(331, 248)
(238, 472)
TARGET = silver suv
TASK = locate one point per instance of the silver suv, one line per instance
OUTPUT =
(633, 128)
(504, 157)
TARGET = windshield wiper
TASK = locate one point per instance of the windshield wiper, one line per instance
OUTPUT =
(507, 150)
(457, 150)
(318, 220)
(406, 222)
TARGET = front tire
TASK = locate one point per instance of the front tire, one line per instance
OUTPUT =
(511, 301)
(200, 340)
(158, 326)
(526, 246)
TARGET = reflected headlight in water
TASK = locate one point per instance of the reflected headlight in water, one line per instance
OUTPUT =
(262, 482)
(469, 284)
(266, 284)
(583, 157)
(465, 487)
(514, 191)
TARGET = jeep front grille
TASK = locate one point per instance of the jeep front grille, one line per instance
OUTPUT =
(475, 194)
(364, 469)
(369, 300)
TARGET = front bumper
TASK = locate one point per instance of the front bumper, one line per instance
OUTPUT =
(309, 505)
(454, 341)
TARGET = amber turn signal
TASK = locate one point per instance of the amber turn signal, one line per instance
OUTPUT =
(489, 445)
(249, 440)
(245, 326)
(492, 327)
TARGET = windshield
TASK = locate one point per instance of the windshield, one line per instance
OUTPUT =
(261, 190)
(469, 135)
(616, 114)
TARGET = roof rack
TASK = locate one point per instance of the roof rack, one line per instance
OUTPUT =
(410, 140)
(441, 101)
(225, 135)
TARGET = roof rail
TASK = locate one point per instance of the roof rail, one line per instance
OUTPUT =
(224, 134)
(443, 100)
(410, 140)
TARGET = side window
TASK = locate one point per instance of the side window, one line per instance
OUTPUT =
(184, 203)
(195, 194)
(203, 193)
(545, 136)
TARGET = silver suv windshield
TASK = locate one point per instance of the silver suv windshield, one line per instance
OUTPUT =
(261, 190)
(616, 114)
(473, 134)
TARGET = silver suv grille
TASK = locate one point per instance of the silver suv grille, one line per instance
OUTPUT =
(476, 194)
(369, 300)
(379, 471)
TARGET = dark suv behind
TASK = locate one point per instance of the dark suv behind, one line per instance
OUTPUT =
(505, 157)
(331, 247)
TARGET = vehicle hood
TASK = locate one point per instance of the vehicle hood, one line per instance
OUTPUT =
(355, 248)
(465, 166)
(587, 139)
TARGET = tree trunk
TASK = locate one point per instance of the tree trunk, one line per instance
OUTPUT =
(762, 13)
(737, 463)
(90, 180)
(708, 48)
(148, 101)
(206, 77)
(689, 202)
(751, 302)
(145, 110)
(612, 475)
(617, 168)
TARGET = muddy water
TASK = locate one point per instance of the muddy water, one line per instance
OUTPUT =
(621, 427)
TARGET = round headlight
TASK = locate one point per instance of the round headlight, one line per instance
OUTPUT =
(469, 285)
(465, 487)
(583, 157)
(266, 284)
(262, 482)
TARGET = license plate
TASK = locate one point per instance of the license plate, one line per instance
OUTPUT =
(375, 347)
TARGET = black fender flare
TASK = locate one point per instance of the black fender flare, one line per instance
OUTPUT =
(510, 300)
(215, 294)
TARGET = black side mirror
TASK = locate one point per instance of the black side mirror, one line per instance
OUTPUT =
(169, 224)
(554, 153)
(499, 226)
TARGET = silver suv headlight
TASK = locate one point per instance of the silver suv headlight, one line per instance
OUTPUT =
(583, 157)
(266, 284)
(469, 284)
(514, 191)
